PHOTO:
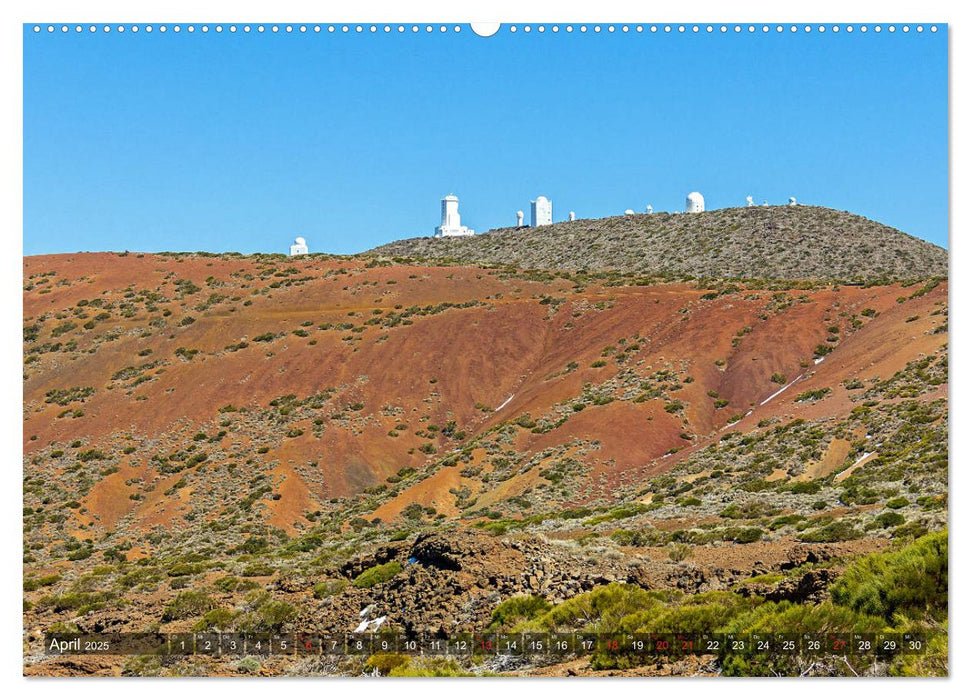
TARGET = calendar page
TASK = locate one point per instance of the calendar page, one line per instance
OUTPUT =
(537, 349)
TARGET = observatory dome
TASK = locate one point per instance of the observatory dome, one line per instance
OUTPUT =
(299, 240)
(694, 203)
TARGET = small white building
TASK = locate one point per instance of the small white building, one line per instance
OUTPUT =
(792, 201)
(451, 221)
(540, 212)
(573, 216)
(694, 203)
(519, 219)
(299, 246)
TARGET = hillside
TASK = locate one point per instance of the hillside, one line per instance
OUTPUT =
(262, 443)
(780, 242)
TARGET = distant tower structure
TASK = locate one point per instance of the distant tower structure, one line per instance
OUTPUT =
(749, 202)
(299, 246)
(451, 221)
(519, 218)
(540, 212)
(792, 201)
(573, 216)
(765, 202)
(628, 212)
(650, 209)
(694, 203)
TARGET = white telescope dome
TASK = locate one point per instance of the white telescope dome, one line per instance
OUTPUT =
(299, 240)
(694, 203)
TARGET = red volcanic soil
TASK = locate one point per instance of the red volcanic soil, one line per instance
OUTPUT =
(482, 349)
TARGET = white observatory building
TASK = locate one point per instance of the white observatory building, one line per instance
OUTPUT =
(451, 221)
(540, 212)
(299, 246)
(694, 203)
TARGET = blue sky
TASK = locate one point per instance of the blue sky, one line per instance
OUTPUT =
(239, 142)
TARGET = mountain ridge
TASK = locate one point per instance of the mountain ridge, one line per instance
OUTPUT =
(778, 242)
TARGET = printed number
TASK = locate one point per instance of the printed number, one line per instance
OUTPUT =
(762, 645)
(411, 645)
(813, 645)
(738, 645)
(915, 645)
(889, 645)
(863, 645)
(713, 645)
(788, 645)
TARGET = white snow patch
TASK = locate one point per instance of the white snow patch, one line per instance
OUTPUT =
(866, 456)
(503, 404)
(781, 390)
(371, 625)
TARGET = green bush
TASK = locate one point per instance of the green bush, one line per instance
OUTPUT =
(188, 604)
(384, 662)
(428, 667)
(836, 531)
(324, 589)
(890, 519)
(518, 609)
(911, 581)
(377, 574)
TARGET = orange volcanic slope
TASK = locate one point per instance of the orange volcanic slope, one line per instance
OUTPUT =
(144, 351)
